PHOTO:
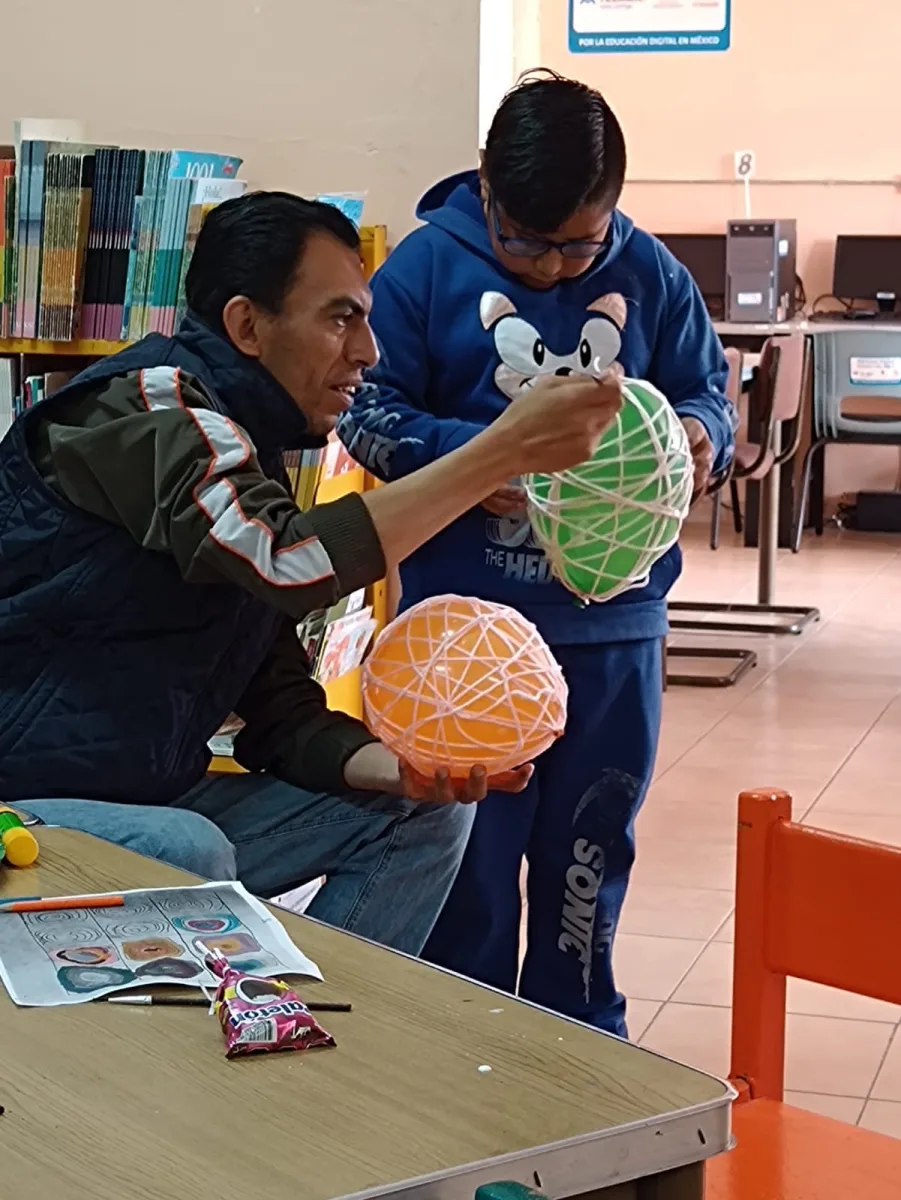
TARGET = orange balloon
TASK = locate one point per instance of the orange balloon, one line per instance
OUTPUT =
(457, 683)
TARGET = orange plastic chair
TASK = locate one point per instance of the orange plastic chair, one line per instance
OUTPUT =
(827, 908)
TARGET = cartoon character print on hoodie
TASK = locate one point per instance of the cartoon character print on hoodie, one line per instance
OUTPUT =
(459, 335)
(524, 358)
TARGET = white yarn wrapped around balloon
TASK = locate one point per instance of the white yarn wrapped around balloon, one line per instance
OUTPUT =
(605, 523)
(456, 683)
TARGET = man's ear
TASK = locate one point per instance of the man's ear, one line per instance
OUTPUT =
(241, 320)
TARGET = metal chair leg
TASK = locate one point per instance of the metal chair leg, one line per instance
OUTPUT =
(796, 618)
(715, 520)
(737, 521)
(803, 499)
(744, 661)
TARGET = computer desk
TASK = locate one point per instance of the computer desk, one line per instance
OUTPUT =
(733, 332)
(437, 1086)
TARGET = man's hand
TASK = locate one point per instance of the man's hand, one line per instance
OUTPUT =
(506, 501)
(701, 454)
(444, 790)
(559, 421)
(375, 769)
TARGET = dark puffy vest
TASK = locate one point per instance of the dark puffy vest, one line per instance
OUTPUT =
(114, 672)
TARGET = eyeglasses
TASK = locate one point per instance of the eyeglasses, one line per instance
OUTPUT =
(522, 247)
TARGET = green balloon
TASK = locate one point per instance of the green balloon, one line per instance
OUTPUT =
(604, 523)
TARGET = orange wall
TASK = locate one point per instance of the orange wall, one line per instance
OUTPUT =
(809, 86)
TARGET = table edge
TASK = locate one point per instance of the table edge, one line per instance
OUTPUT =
(587, 1162)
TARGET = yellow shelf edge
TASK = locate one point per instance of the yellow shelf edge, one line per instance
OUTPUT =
(77, 349)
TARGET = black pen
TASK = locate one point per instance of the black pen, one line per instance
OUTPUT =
(203, 1002)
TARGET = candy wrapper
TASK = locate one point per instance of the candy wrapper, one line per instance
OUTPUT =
(258, 1015)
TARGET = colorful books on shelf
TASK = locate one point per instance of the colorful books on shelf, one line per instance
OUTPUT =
(7, 228)
(344, 644)
(336, 461)
(336, 639)
(304, 469)
(9, 391)
(95, 241)
(23, 393)
(351, 204)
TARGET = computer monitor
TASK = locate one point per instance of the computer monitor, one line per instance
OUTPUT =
(704, 257)
(868, 267)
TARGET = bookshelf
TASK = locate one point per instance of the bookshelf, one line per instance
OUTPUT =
(344, 694)
(77, 349)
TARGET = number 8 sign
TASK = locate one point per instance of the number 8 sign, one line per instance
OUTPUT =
(744, 165)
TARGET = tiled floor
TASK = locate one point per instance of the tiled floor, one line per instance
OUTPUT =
(820, 717)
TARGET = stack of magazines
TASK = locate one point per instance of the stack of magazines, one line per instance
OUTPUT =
(95, 241)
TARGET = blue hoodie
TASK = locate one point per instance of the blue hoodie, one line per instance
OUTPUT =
(460, 335)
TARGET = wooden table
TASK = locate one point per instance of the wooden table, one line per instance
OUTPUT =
(105, 1102)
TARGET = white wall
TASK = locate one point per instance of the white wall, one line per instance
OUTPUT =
(496, 65)
(337, 95)
(510, 44)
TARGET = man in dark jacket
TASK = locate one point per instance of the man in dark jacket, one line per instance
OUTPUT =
(153, 568)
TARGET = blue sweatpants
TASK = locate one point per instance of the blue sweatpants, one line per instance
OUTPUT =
(575, 826)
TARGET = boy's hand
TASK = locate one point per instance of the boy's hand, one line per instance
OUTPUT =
(701, 454)
(505, 501)
(559, 421)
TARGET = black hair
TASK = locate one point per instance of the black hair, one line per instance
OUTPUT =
(252, 246)
(554, 145)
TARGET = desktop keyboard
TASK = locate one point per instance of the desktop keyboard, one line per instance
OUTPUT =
(856, 316)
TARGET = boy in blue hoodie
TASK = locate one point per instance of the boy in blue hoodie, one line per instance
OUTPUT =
(522, 269)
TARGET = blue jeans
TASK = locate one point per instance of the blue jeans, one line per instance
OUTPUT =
(182, 839)
(389, 863)
(575, 825)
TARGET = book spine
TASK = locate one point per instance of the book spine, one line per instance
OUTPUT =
(48, 245)
(69, 237)
(153, 240)
(22, 193)
(192, 229)
(85, 195)
(134, 247)
(160, 254)
(91, 284)
(121, 241)
(33, 231)
(7, 239)
(114, 192)
(177, 253)
(148, 204)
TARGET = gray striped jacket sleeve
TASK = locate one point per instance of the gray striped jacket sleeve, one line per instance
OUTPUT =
(184, 480)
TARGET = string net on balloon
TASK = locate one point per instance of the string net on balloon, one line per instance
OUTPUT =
(456, 682)
(604, 523)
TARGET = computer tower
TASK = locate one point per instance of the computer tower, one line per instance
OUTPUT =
(761, 271)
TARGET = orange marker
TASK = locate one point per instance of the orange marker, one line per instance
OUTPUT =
(60, 902)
